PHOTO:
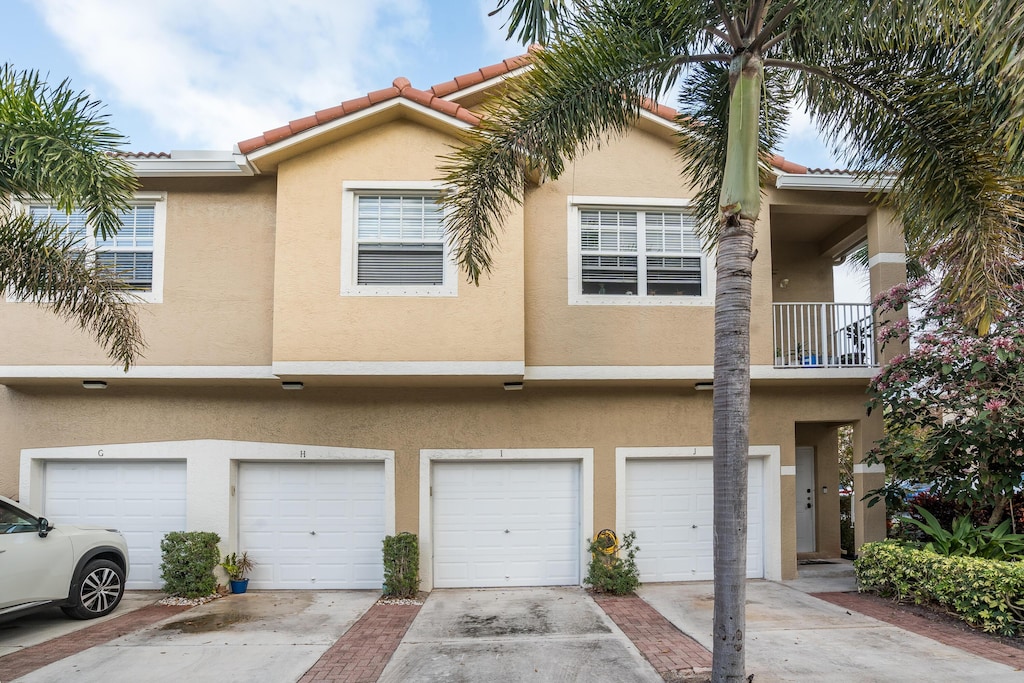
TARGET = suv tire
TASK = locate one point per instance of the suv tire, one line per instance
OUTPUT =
(98, 590)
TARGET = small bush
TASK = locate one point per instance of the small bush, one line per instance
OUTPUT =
(613, 573)
(187, 562)
(846, 532)
(987, 594)
(401, 565)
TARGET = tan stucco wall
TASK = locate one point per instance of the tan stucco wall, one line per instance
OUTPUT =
(808, 274)
(218, 278)
(314, 322)
(406, 421)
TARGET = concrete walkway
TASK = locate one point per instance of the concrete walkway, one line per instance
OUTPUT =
(792, 636)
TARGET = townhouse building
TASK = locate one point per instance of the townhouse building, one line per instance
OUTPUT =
(319, 373)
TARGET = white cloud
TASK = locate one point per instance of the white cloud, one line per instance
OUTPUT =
(213, 72)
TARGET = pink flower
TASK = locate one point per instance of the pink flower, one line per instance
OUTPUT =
(994, 404)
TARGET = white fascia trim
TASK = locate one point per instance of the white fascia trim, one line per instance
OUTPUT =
(887, 257)
(618, 372)
(862, 468)
(191, 163)
(771, 456)
(771, 372)
(485, 85)
(348, 119)
(399, 368)
(651, 116)
(136, 372)
(830, 182)
(585, 456)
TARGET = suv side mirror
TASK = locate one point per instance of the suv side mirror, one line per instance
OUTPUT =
(44, 527)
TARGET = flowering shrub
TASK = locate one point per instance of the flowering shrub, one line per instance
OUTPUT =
(954, 405)
(987, 594)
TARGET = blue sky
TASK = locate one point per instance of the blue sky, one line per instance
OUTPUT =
(205, 74)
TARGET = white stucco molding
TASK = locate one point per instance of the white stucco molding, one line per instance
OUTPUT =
(887, 257)
(398, 368)
(863, 468)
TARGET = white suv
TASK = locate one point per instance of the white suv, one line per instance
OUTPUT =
(81, 569)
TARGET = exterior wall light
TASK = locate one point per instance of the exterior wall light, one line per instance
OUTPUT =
(292, 386)
(704, 386)
(513, 386)
(94, 384)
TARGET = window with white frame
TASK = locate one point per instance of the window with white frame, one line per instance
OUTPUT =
(394, 243)
(133, 253)
(639, 254)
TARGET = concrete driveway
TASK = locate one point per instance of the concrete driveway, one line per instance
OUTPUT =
(792, 636)
(272, 636)
(519, 634)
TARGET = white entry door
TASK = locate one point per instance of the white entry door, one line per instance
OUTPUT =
(805, 482)
(670, 505)
(506, 523)
(144, 500)
(312, 524)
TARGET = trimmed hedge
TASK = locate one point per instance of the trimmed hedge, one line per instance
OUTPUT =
(188, 559)
(987, 594)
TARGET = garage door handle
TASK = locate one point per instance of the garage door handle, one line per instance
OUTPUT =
(506, 531)
(312, 533)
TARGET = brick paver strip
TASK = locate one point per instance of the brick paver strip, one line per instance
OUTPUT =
(889, 612)
(670, 651)
(361, 654)
(29, 659)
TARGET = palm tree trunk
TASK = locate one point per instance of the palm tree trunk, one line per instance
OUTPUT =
(740, 202)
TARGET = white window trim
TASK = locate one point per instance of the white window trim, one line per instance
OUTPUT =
(349, 254)
(577, 203)
(159, 201)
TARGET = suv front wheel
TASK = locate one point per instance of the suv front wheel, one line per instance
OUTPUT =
(99, 590)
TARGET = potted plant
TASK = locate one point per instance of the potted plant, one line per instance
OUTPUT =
(237, 566)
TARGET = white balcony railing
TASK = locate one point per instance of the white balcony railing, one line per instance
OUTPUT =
(823, 335)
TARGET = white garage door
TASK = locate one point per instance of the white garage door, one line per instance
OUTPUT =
(312, 525)
(506, 524)
(145, 500)
(670, 505)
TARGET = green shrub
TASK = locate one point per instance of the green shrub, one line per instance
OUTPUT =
(613, 573)
(846, 532)
(401, 565)
(187, 562)
(991, 543)
(987, 594)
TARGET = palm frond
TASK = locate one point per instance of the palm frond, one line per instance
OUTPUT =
(611, 63)
(56, 144)
(41, 263)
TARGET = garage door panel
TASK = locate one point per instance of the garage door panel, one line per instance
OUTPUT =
(313, 524)
(505, 524)
(670, 504)
(144, 500)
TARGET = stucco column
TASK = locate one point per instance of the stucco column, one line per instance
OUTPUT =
(887, 267)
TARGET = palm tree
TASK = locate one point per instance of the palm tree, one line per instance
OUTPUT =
(56, 146)
(905, 89)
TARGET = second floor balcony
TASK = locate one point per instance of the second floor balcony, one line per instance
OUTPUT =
(823, 335)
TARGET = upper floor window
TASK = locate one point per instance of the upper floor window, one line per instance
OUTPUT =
(393, 242)
(624, 255)
(134, 253)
